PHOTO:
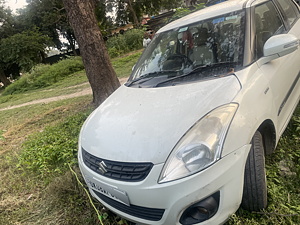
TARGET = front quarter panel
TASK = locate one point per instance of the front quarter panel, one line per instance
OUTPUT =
(255, 106)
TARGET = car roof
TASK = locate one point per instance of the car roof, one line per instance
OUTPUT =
(208, 12)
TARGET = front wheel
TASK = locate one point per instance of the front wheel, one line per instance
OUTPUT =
(255, 184)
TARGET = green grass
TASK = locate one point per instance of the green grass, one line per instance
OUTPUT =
(123, 66)
(38, 143)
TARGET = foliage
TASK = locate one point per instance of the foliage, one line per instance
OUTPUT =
(129, 10)
(45, 75)
(131, 40)
(105, 20)
(50, 151)
(8, 27)
(49, 17)
(116, 46)
(24, 49)
(7, 22)
(181, 12)
(134, 39)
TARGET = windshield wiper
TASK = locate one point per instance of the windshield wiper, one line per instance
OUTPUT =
(150, 75)
(199, 69)
(212, 65)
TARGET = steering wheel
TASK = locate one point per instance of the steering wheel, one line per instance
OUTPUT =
(184, 58)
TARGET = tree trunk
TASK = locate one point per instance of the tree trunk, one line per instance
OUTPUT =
(3, 78)
(135, 19)
(99, 70)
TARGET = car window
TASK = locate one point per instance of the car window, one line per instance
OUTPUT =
(289, 10)
(212, 43)
(267, 23)
(295, 5)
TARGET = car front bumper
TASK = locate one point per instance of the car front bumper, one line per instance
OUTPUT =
(171, 199)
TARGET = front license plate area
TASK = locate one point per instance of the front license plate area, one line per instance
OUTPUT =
(107, 190)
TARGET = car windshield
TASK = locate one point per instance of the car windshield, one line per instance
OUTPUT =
(213, 44)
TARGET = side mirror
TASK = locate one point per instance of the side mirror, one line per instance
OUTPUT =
(278, 46)
(281, 44)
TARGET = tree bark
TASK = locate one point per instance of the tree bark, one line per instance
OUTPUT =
(3, 78)
(99, 70)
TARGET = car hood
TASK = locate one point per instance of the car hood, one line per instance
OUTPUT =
(144, 124)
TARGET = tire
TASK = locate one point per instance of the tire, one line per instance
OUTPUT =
(255, 184)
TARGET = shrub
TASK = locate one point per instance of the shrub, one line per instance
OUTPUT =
(129, 41)
(45, 75)
(114, 52)
(118, 43)
(134, 39)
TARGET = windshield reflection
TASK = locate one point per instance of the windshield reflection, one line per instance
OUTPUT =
(179, 51)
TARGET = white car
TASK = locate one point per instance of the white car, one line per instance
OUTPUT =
(184, 140)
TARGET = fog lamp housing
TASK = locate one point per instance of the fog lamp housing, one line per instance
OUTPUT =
(201, 211)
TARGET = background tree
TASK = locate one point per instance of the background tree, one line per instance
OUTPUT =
(99, 70)
(20, 47)
(133, 10)
(22, 51)
(7, 29)
(105, 20)
(7, 22)
(49, 17)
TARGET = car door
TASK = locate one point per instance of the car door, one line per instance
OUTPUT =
(282, 73)
(291, 14)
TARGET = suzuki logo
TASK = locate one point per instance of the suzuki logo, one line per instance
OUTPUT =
(102, 167)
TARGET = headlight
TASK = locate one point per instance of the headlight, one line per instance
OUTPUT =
(201, 146)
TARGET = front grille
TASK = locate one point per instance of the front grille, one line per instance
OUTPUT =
(123, 171)
(133, 210)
